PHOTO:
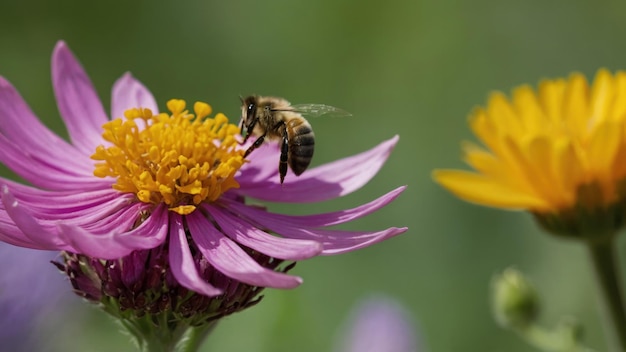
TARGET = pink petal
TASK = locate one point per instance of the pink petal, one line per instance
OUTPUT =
(97, 212)
(317, 220)
(43, 235)
(262, 165)
(117, 243)
(244, 233)
(130, 93)
(182, 263)
(97, 231)
(21, 127)
(42, 173)
(334, 241)
(114, 216)
(227, 257)
(10, 233)
(325, 182)
(107, 246)
(68, 204)
(338, 242)
(77, 99)
(36, 194)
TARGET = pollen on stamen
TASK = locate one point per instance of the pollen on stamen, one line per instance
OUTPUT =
(179, 159)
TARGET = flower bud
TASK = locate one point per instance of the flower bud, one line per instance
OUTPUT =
(514, 300)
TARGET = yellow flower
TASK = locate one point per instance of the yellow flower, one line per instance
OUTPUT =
(559, 151)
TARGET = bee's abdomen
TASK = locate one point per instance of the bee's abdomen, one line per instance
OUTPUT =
(301, 145)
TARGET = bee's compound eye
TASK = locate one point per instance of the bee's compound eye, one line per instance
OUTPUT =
(250, 107)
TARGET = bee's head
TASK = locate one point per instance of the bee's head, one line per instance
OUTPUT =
(248, 108)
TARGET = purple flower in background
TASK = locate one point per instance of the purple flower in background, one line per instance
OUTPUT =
(27, 295)
(150, 209)
(379, 324)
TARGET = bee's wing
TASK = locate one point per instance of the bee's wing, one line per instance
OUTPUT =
(316, 110)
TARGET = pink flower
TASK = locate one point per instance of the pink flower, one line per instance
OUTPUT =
(208, 243)
(379, 323)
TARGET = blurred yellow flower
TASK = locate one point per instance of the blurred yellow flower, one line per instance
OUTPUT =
(556, 150)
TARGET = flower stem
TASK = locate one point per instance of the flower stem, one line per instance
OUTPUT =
(155, 339)
(560, 339)
(195, 337)
(605, 265)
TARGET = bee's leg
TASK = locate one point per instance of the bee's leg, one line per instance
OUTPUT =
(254, 145)
(241, 125)
(249, 129)
(284, 157)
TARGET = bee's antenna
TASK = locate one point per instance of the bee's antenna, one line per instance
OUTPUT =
(240, 98)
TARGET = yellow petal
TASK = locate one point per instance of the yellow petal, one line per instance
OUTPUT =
(576, 105)
(501, 112)
(478, 189)
(601, 97)
(618, 111)
(484, 128)
(529, 110)
(619, 166)
(603, 147)
(538, 155)
(567, 169)
(492, 167)
(551, 94)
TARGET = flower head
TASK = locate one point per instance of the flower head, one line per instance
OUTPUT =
(557, 152)
(150, 209)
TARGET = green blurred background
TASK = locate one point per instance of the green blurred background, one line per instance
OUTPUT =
(413, 68)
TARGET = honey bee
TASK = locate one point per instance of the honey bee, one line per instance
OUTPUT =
(276, 119)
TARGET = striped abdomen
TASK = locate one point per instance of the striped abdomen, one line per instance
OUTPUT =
(301, 144)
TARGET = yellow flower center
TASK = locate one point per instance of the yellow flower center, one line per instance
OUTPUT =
(180, 159)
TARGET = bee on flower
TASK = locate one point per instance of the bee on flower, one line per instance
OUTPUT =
(149, 207)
